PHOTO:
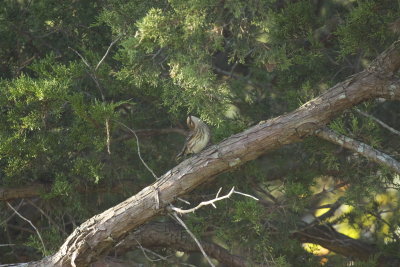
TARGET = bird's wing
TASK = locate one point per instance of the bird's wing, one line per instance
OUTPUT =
(189, 136)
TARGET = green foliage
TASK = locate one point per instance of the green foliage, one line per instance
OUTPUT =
(366, 27)
(231, 63)
(61, 188)
(50, 236)
(248, 211)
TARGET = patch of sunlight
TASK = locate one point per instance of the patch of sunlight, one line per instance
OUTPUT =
(383, 199)
(232, 111)
(326, 183)
(323, 86)
(179, 254)
(320, 212)
(365, 62)
(385, 229)
(263, 38)
(345, 229)
(315, 249)
(49, 23)
(346, 208)
(388, 239)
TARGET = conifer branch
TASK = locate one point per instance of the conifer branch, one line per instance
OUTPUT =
(359, 147)
(384, 125)
(108, 51)
(138, 148)
(98, 234)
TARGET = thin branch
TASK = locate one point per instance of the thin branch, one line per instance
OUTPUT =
(108, 136)
(157, 53)
(176, 217)
(361, 148)
(316, 198)
(384, 125)
(334, 207)
(33, 226)
(246, 195)
(151, 132)
(258, 188)
(83, 59)
(21, 229)
(47, 216)
(105, 55)
(147, 257)
(6, 245)
(12, 215)
(138, 148)
(92, 73)
(183, 200)
(146, 250)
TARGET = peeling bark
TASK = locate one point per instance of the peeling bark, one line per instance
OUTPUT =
(99, 234)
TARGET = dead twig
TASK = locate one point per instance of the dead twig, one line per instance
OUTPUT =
(212, 201)
(33, 226)
(138, 148)
(176, 217)
(384, 125)
(92, 74)
(204, 203)
(108, 51)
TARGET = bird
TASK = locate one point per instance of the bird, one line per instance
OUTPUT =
(198, 138)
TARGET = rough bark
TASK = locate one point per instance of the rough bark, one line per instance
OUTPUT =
(99, 234)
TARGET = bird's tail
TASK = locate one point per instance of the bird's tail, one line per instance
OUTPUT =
(180, 155)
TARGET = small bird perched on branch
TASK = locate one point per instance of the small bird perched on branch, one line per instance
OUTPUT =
(198, 138)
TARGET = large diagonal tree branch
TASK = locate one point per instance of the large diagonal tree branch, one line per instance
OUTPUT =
(99, 234)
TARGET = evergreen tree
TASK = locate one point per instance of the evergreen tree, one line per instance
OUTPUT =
(94, 97)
